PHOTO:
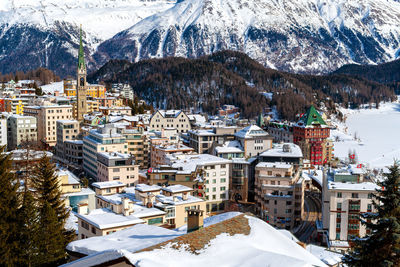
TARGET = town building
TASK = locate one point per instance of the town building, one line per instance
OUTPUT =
(284, 153)
(346, 193)
(170, 119)
(47, 117)
(280, 131)
(159, 153)
(114, 166)
(138, 146)
(93, 90)
(68, 147)
(120, 110)
(204, 141)
(75, 196)
(279, 194)
(104, 139)
(311, 133)
(254, 140)
(208, 175)
(3, 132)
(21, 129)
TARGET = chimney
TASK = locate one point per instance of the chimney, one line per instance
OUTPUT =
(83, 209)
(125, 206)
(195, 220)
(185, 196)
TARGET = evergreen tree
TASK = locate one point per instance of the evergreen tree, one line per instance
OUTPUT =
(8, 212)
(28, 230)
(53, 214)
(382, 246)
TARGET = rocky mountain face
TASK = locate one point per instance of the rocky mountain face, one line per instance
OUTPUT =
(307, 36)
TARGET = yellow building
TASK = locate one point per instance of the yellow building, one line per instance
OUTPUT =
(93, 90)
(92, 106)
(15, 105)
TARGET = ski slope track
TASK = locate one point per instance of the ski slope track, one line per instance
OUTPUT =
(304, 36)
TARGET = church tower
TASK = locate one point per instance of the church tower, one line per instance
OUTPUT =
(81, 88)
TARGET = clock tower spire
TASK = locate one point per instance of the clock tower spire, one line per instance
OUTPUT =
(81, 88)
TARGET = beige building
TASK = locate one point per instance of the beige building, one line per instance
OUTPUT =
(208, 175)
(20, 129)
(254, 140)
(279, 194)
(170, 119)
(346, 194)
(116, 110)
(68, 149)
(159, 153)
(204, 141)
(176, 200)
(105, 139)
(47, 116)
(138, 146)
(114, 166)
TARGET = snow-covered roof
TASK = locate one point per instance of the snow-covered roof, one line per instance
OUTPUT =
(171, 113)
(109, 184)
(72, 179)
(329, 257)
(105, 219)
(188, 163)
(84, 192)
(276, 165)
(114, 155)
(177, 188)
(230, 147)
(147, 188)
(132, 239)
(277, 150)
(316, 175)
(250, 132)
(117, 198)
(177, 200)
(67, 121)
(365, 186)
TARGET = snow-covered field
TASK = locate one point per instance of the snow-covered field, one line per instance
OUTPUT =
(377, 132)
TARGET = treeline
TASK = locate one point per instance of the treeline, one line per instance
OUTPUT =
(229, 77)
(40, 75)
(33, 216)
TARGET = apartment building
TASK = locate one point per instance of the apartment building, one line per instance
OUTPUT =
(116, 110)
(254, 140)
(20, 129)
(208, 175)
(93, 90)
(137, 145)
(346, 194)
(114, 166)
(204, 141)
(47, 116)
(105, 139)
(159, 153)
(280, 131)
(68, 149)
(3, 132)
(170, 119)
(279, 194)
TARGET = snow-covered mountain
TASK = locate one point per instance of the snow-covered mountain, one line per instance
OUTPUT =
(45, 32)
(294, 35)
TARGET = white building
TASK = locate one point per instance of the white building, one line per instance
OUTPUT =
(170, 119)
(346, 194)
(3, 132)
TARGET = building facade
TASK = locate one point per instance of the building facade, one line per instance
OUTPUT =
(20, 129)
(114, 166)
(170, 119)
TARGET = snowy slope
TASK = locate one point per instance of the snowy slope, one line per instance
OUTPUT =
(378, 143)
(296, 35)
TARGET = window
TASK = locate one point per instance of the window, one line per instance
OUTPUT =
(369, 207)
(339, 194)
(155, 221)
(223, 166)
(222, 188)
(222, 196)
(338, 215)
(93, 230)
(337, 225)
(214, 197)
(214, 189)
(223, 180)
(214, 181)
(339, 206)
(337, 236)
(354, 195)
(370, 195)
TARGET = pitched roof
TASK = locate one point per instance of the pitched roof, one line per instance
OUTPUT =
(311, 118)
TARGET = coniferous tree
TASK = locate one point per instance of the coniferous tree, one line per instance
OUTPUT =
(8, 212)
(53, 214)
(28, 225)
(382, 246)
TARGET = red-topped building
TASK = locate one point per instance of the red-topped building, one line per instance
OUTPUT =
(311, 134)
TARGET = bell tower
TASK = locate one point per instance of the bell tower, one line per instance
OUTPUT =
(81, 88)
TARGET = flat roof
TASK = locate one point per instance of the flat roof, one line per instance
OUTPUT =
(104, 219)
(109, 184)
(177, 188)
(277, 151)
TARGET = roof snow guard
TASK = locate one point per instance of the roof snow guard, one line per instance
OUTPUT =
(311, 118)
